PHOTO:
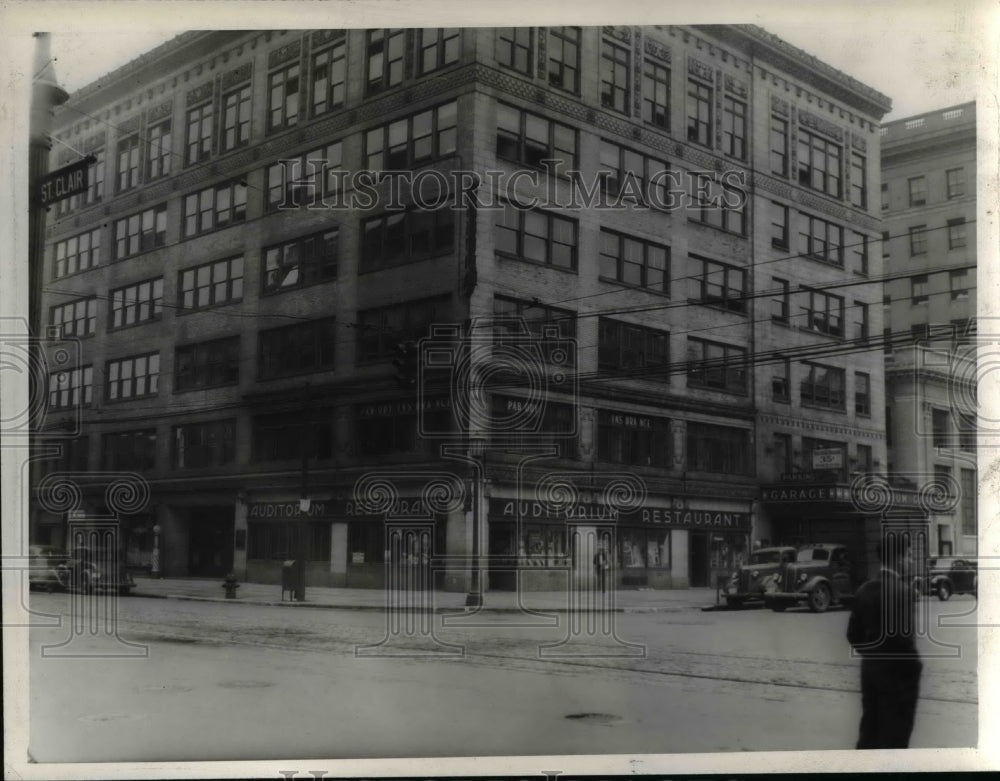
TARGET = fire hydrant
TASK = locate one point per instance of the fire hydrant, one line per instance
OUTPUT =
(230, 585)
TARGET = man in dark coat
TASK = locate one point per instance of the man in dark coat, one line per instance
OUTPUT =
(881, 629)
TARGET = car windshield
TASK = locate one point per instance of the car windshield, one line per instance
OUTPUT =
(765, 557)
(812, 554)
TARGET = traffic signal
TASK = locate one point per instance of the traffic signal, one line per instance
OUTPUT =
(407, 363)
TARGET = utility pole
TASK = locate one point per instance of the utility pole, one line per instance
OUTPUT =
(302, 524)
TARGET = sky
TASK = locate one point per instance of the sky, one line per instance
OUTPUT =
(924, 55)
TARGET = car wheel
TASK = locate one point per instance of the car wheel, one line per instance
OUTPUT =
(734, 602)
(820, 598)
(944, 591)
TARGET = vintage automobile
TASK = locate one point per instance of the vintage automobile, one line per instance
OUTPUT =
(47, 568)
(947, 575)
(90, 569)
(747, 583)
(821, 575)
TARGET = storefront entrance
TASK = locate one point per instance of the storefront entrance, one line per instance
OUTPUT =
(210, 547)
(698, 560)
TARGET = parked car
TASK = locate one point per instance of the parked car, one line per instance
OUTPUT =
(747, 583)
(949, 575)
(47, 568)
(821, 575)
(90, 569)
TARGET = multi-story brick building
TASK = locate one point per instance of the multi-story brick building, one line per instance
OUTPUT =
(929, 251)
(707, 338)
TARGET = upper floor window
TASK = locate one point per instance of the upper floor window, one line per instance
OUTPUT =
(95, 186)
(529, 139)
(329, 78)
(956, 233)
(385, 50)
(720, 449)
(77, 253)
(438, 47)
(821, 240)
(632, 176)
(75, 318)
(73, 388)
(200, 445)
(200, 129)
(780, 381)
(212, 284)
(160, 150)
(779, 301)
(779, 226)
(734, 128)
(382, 329)
(279, 437)
(656, 95)
(133, 377)
(639, 440)
(918, 190)
(549, 325)
(215, 207)
(862, 393)
(136, 303)
(624, 348)
(283, 98)
(395, 238)
(823, 312)
(236, 113)
(859, 248)
(514, 47)
(207, 364)
(959, 283)
(822, 386)
(860, 331)
(715, 365)
(886, 200)
(918, 240)
(616, 75)
(779, 146)
(129, 163)
(699, 113)
(564, 58)
(297, 349)
(141, 232)
(635, 262)
(718, 205)
(819, 163)
(717, 284)
(305, 180)
(919, 293)
(412, 141)
(859, 181)
(956, 182)
(129, 450)
(304, 261)
(538, 236)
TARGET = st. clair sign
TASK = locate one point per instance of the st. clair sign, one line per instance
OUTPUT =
(508, 509)
(64, 183)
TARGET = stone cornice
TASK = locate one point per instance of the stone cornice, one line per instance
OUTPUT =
(820, 426)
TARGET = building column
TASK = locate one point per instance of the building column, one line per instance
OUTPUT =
(338, 553)
(679, 574)
(458, 542)
(240, 532)
(174, 541)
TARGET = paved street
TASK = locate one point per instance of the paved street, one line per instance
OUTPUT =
(239, 681)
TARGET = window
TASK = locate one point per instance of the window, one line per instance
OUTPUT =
(632, 176)
(734, 128)
(919, 289)
(304, 180)
(862, 394)
(634, 262)
(555, 426)
(215, 207)
(200, 445)
(297, 349)
(71, 389)
(207, 364)
(634, 350)
(133, 377)
(552, 327)
(720, 449)
(385, 51)
(275, 541)
(200, 124)
(716, 284)
(967, 483)
(885, 244)
(783, 453)
(822, 386)
(95, 185)
(283, 98)
(920, 332)
(406, 237)
(779, 227)
(236, 113)
(940, 430)
(865, 462)
(918, 190)
(138, 303)
(615, 77)
(656, 95)
(380, 330)
(959, 281)
(129, 163)
(73, 456)
(779, 302)
(956, 182)
(76, 318)
(956, 233)
(160, 151)
(699, 113)
(282, 437)
(129, 450)
(637, 440)
(412, 141)
(860, 310)
(536, 236)
(438, 47)
(859, 248)
(212, 284)
(514, 45)
(885, 197)
(781, 387)
(394, 428)
(304, 261)
(77, 253)
(779, 146)
(859, 181)
(966, 430)
(141, 232)
(718, 205)
(329, 78)
(529, 139)
(718, 366)
(821, 240)
(823, 312)
(819, 163)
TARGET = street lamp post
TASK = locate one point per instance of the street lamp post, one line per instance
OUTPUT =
(475, 595)
(154, 558)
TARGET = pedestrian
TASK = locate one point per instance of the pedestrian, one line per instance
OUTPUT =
(601, 565)
(881, 629)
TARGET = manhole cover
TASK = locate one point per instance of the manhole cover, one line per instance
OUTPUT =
(107, 718)
(245, 684)
(600, 718)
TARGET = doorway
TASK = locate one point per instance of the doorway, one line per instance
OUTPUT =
(210, 541)
(698, 560)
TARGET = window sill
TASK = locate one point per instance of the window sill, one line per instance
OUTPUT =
(728, 392)
(182, 311)
(215, 229)
(368, 268)
(720, 229)
(808, 405)
(116, 329)
(717, 307)
(177, 391)
(144, 397)
(518, 258)
(265, 293)
(619, 283)
(833, 337)
(293, 375)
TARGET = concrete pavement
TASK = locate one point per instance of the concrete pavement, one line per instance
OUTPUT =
(623, 600)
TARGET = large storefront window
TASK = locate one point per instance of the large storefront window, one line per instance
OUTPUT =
(277, 540)
(728, 551)
(643, 548)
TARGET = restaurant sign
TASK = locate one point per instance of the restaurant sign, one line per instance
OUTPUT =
(509, 509)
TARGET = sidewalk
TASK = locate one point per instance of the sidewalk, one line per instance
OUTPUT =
(210, 589)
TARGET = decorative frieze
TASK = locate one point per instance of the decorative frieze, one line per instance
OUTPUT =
(165, 109)
(657, 49)
(95, 141)
(200, 93)
(130, 125)
(859, 142)
(699, 69)
(810, 120)
(543, 37)
(321, 37)
(286, 53)
(623, 34)
(779, 106)
(236, 76)
(737, 87)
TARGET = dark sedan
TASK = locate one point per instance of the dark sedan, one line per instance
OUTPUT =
(947, 575)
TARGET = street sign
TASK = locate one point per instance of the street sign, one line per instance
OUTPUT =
(64, 183)
(829, 458)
